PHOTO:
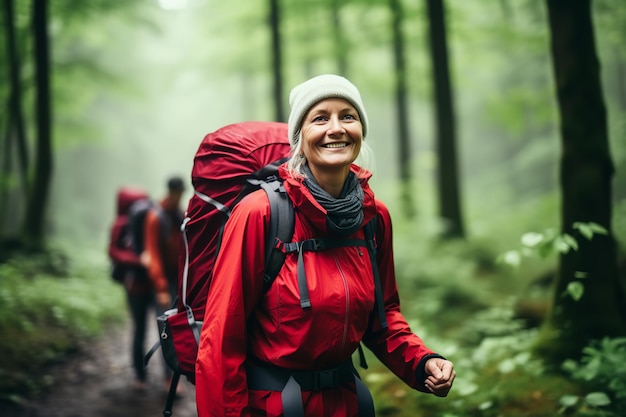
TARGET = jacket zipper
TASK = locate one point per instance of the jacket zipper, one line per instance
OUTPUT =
(345, 322)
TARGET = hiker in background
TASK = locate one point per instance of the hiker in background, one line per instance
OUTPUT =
(128, 271)
(162, 241)
(287, 350)
(161, 246)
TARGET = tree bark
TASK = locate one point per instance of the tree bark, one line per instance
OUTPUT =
(447, 167)
(277, 60)
(34, 223)
(404, 142)
(15, 122)
(585, 173)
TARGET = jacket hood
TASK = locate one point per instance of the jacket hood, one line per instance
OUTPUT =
(304, 201)
(126, 196)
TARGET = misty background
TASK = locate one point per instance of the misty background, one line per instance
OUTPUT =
(166, 75)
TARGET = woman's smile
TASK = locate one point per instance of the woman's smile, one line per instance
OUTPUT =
(335, 145)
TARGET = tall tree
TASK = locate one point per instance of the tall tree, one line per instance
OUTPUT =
(277, 60)
(34, 222)
(445, 123)
(339, 38)
(404, 141)
(15, 133)
(15, 128)
(585, 174)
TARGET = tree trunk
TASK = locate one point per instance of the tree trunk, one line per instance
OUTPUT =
(16, 116)
(586, 173)
(34, 223)
(15, 133)
(447, 166)
(277, 60)
(404, 146)
(340, 40)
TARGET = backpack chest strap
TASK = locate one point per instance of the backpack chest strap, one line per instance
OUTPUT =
(318, 244)
(315, 245)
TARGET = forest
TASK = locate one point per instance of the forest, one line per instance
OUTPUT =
(499, 135)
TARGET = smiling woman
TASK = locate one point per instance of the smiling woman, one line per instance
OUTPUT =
(286, 350)
(330, 140)
(312, 103)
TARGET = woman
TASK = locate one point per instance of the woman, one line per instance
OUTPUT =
(265, 352)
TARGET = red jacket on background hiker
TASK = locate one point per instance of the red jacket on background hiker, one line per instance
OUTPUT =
(243, 320)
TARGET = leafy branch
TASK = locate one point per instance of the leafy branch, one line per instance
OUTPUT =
(549, 243)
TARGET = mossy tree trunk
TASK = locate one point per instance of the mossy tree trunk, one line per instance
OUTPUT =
(586, 172)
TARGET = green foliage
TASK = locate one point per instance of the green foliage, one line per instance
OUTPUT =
(49, 306)
(549, 243)
(602, 369)
(496, 376)
(465, 305)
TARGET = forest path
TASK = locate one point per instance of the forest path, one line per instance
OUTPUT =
(98, 383)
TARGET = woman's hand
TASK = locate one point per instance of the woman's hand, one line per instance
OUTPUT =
(441, 375)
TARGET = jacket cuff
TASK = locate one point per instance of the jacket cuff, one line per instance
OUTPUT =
(420, 371)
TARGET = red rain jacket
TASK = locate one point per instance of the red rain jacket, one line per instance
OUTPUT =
(242, 319)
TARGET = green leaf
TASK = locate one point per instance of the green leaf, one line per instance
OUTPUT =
(598, 228)
(561, 245)
(597, 399)
(506, 366)
(575, 290)
(546, 248)
(531, 239)
(570, 241)
(584, 229)
(580, 274)
(568, 401)
(588, 229)
(485, 405)
(511, 258)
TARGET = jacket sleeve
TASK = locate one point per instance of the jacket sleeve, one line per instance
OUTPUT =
(152, 245)
(401, 350)
(117, 252)
(236, 287)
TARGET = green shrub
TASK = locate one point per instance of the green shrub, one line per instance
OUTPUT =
(602, 370)
(49, 305)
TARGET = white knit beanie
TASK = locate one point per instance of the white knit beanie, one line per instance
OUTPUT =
(316, 89)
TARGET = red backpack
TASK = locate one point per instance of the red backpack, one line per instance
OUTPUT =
(229, 163)
(121, 251)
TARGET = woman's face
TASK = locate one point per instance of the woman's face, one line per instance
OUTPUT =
(331, 136)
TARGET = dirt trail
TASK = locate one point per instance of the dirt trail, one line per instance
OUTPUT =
(98, 383)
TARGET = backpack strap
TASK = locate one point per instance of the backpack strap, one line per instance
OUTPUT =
(331, 243)
(379, 304)
(282, 218)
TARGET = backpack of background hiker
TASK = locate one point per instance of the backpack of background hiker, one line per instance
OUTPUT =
(121, 235)
(225, 163)
(137, 220)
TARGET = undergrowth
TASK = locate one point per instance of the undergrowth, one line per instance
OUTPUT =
(50, 304)
(484, 316)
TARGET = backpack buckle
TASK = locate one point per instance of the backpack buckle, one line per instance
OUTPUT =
(325, 379)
